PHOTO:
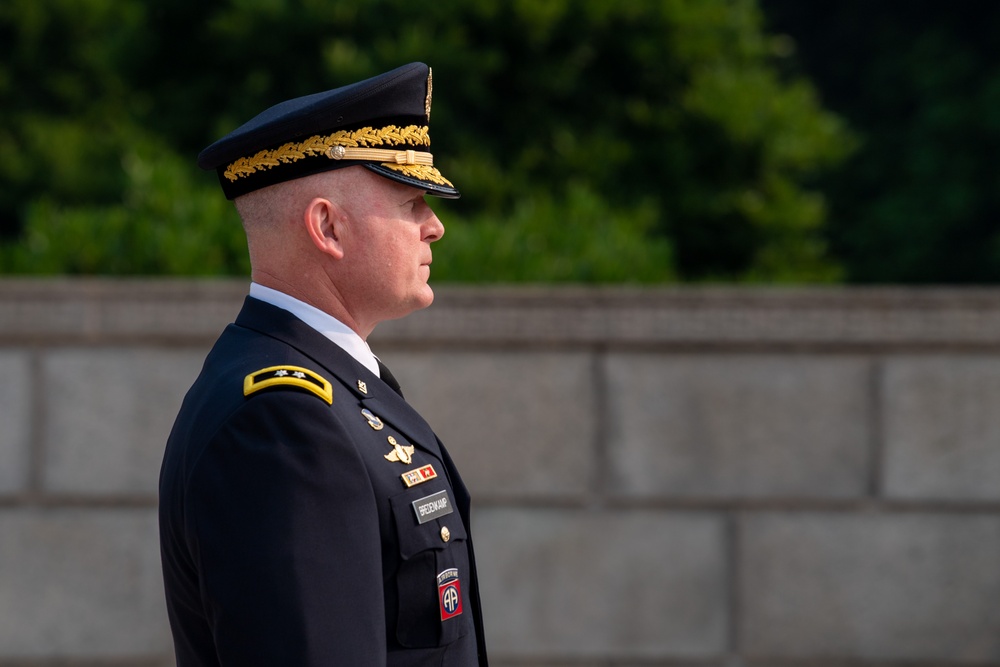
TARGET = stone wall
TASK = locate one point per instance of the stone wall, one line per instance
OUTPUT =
(679, 477)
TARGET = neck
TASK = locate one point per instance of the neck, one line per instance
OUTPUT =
(329, 300)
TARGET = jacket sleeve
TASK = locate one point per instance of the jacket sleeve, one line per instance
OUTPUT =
(283, 527)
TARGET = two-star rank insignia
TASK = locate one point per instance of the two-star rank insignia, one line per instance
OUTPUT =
(288, 376)
(401, 453)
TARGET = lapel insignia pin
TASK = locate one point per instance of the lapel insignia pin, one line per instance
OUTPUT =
(373, 419)
(362, 387)
(419, 475)
(401, 453)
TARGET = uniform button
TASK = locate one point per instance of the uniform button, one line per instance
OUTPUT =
(445, 533)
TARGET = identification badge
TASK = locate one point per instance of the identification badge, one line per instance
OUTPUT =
(449, 593)
(433, 506)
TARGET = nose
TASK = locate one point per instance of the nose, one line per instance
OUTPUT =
(433, 228)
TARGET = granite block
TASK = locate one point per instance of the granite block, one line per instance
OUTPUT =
(921, 587)
(16, 404)
(741, 426)
(518, 424)
(942, 428)
(81, 583)
(629, 585)
(108, 414)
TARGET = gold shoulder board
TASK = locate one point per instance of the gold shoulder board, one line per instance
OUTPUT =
(288, 376)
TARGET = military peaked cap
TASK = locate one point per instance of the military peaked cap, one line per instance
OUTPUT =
(380, 123)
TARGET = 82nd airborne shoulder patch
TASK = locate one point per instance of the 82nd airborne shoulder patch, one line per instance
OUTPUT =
(288, 376)
(449, 593)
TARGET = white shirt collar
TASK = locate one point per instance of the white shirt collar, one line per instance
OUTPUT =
(338, 332)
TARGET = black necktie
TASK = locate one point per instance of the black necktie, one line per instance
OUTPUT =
(387, 377)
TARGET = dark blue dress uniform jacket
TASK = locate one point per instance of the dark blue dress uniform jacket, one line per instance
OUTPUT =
(287, 536)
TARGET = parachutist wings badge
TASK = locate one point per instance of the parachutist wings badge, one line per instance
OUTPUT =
(400, 453)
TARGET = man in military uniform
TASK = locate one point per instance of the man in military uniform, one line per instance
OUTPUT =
(308, 515)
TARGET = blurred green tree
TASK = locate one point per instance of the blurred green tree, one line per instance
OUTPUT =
(636, 141)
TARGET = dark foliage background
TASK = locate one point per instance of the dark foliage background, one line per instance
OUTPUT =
(919, 81)
(638, 141)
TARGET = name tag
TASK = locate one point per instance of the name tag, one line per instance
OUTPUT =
(432, 506)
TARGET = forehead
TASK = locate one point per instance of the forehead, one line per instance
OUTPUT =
(360, 183)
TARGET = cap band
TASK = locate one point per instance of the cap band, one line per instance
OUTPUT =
(390, 135)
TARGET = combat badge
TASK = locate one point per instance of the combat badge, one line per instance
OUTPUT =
(449, 593)
(419, 475)
(288, 376)
(373, 419)
(401, 453)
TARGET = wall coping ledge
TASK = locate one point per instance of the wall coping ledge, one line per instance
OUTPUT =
(97, 311)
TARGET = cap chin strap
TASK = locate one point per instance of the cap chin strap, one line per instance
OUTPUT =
(380, 155)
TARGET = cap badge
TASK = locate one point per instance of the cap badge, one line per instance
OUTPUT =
(430, 87)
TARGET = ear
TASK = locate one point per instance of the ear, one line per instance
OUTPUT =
(324, 223)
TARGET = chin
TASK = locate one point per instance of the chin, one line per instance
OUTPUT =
(414, 302)
(425, 298)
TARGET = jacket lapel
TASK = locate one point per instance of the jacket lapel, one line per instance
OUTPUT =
(366, 387)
